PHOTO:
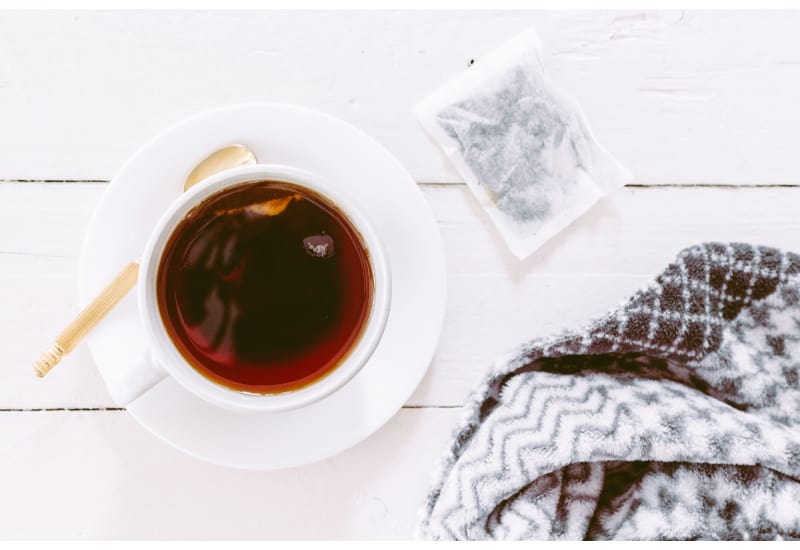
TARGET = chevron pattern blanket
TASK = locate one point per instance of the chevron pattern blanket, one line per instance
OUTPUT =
(676, 416)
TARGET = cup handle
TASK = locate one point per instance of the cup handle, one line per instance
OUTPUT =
(136, 379)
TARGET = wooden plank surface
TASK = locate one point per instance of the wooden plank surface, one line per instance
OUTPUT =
(680, 97)
(494, 301)
(96, 474)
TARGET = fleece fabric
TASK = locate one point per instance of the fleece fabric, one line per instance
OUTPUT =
(675, 416)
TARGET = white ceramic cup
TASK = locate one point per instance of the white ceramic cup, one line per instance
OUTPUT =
(164, 359)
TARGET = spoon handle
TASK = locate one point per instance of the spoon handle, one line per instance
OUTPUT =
(88, 319)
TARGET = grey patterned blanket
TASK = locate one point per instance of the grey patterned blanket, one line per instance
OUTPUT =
(676, 416)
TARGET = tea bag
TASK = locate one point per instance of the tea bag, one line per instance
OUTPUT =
(526, 151)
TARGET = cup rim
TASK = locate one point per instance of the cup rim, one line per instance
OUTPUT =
(168, 356)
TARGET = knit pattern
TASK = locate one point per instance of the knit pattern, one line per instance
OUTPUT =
(675, 416)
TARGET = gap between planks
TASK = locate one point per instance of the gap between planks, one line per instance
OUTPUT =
(12, 180)
(452, 184)
(118, 409)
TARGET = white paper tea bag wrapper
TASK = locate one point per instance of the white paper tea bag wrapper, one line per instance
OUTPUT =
(524, 149)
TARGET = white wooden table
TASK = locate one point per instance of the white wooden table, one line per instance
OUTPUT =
(702, 107)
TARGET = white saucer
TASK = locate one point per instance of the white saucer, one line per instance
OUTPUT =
(282, 134)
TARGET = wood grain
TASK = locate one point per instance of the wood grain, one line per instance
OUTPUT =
(680, 97)
(98, 474)
(494, 303)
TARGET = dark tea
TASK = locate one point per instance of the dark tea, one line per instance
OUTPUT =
(265, 287)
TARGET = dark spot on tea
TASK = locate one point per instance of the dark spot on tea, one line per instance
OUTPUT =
(319, 246)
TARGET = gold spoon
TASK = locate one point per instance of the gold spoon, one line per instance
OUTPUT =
(87, 319)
